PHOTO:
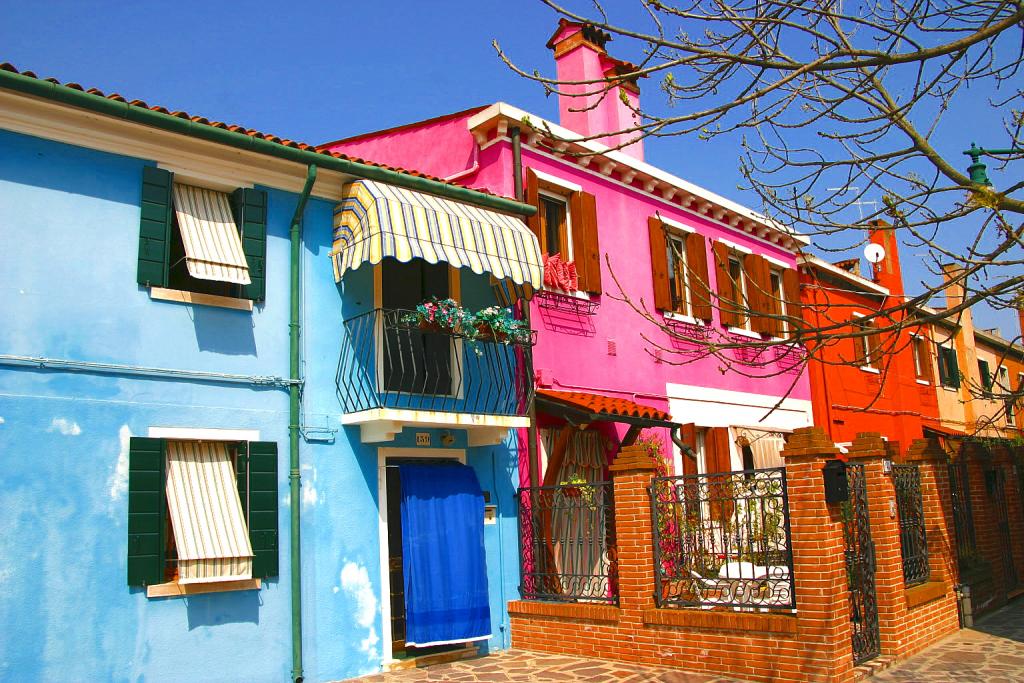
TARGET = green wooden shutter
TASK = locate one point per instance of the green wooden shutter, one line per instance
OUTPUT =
(155, 226)
(250, 208)
(986, 375)
(263, 507)
(146, 506)
(242, 477)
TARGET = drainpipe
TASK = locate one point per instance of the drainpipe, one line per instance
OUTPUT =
(531, 410)
(294, 405)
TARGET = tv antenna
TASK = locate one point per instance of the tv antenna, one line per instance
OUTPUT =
(859, 203)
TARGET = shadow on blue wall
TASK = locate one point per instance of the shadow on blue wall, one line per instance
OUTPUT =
(222, 331)
(223, 608)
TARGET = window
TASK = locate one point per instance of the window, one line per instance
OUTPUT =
(554, 216)
(755, 295)
(566, 224)
(679, 266)
(868, 346)
(949, 371)
(1003, 382)
(985, 374)
(922, 360)
(194, 239)
(201, 513)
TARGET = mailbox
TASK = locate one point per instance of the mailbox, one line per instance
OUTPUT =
(836, 488)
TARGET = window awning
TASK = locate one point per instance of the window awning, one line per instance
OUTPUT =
(579, 407)
(210, 534)
(375, 221)
(213, 248)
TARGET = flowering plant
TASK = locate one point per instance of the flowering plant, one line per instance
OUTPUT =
(577, 486)
(497, 323)
(443, 313)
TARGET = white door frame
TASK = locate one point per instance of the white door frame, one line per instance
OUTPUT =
(458, 454)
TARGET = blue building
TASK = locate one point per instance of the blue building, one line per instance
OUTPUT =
(209, 342)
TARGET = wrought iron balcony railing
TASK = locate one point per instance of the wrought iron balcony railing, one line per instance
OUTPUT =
(387, 362)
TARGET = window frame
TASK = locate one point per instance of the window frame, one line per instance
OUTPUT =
(742, 306)
(869, 346)
(678, 272)
(946, 354)
(778, 302)
(548, 196)
(922, 360)
(232, 438)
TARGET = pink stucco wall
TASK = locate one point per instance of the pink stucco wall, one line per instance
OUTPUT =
(575, 353)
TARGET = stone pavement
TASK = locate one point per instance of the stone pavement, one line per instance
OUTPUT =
(991, 651)
(517, 666)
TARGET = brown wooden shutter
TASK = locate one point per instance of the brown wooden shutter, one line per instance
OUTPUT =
(717, 456)
(533, 199)
(697, 279)
(586, 251)
(688, 435)
(791, 294)
(659, 264)
(755, 270)
(726, 288)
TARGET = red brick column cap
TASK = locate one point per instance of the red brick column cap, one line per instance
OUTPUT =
(926, 449)
(809, 441)
(634, 459)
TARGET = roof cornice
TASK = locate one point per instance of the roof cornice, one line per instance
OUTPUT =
(567, 145)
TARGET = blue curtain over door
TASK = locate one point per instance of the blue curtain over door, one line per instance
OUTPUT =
(443, 555)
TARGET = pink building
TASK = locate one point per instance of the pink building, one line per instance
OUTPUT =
(680, 253)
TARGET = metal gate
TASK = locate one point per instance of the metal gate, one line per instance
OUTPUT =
(963, 514)
(860, 568)
(995, 482)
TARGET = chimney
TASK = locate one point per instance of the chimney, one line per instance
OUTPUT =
(580, 56)
(888, 272)
(954, 290)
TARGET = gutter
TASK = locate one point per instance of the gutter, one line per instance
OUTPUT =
(185, 126)
(294, 426)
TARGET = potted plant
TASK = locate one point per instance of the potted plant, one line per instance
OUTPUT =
(496, 323)
(577, 487)
(437, 315)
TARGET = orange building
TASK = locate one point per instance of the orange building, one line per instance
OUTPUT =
(881, 381)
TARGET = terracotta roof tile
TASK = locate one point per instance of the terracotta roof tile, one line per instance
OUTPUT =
(7, 66)
(605, 405)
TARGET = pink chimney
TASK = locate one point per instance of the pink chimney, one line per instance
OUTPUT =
(580, 56)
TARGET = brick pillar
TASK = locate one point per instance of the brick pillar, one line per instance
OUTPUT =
(631, 473)
(819, 566)
(869, 449)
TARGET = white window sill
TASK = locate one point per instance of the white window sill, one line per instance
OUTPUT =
(164, 294)
(743, 332)
(951, 389)
(173, 589)
(924, 382)
(583, 296)
(679, 317)
(868, 368)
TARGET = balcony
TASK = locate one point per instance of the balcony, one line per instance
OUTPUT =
(393, 374)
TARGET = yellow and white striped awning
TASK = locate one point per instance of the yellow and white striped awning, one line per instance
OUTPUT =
(213, 248)
(210, 533)
(375, 221)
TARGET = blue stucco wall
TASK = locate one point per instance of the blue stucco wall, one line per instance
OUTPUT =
(68, 249)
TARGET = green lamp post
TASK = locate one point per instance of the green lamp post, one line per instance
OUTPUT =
(977, 169)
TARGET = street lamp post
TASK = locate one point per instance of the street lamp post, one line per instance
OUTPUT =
(977, 169)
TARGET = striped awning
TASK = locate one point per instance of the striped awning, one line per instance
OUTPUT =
(375, 221)
(210, 533)
(213, 248)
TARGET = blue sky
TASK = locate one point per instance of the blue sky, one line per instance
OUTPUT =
(319, 71)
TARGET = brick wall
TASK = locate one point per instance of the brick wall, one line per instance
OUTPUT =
(811, 645)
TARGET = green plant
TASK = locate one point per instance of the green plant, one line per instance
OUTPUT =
(498, 323)
(444, 313)
(577, 486)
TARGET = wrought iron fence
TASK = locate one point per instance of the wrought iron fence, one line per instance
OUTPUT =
(963, 515)
(567, 543)
(723, 540)
(388, 362)
(913, 542)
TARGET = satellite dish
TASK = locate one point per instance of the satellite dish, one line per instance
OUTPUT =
(874, 253)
